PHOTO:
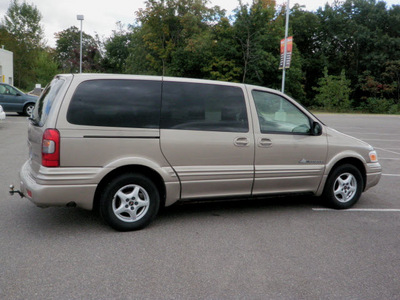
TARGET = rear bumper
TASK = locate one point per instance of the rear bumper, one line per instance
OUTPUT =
(45, 195)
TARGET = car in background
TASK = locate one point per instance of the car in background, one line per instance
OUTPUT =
(2, 114)
(14, 100)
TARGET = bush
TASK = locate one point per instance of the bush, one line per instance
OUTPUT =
(379, 106)
(333, 92)
(394, 109)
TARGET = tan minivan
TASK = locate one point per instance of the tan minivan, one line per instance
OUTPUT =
(130, 144)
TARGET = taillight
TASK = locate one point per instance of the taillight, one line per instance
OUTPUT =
(51, 148)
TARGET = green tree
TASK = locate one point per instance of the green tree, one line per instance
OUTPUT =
(257, 40)
(385, 87)
(257, 30)
(175, 35)
(117, 50)
(137, 62)
(223, 63)
(359, 36)
(7, 39)
(392, 77)
(68, 51)
(306, 33)
(45, 67)
(159, 25)
(22, 22)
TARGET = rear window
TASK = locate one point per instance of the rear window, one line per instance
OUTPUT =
(116, 103)
(45, 102)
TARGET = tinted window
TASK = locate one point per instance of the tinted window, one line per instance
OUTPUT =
(193, 106)
(116, 103)
(7, 90)
(45, 102)
(277, 114)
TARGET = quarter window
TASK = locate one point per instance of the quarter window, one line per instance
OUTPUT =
(45, 102)
(116, 103)
(279, 115)
(206, 107)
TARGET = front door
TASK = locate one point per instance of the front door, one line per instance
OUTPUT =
(11, 99)
(288, 158)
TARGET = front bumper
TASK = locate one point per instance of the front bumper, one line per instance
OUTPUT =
(373, 174)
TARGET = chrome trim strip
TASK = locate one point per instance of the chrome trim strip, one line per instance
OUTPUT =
(208, 171)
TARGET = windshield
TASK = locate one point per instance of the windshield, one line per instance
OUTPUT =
(43, 105)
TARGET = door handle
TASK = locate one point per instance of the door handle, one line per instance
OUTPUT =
(241, 142)
(266, 143)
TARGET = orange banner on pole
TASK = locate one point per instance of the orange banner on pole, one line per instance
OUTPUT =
(289, 48)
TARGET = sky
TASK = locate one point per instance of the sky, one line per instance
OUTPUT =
(101, 16)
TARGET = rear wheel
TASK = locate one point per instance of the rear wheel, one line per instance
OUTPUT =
(129, 202)
(344, 187)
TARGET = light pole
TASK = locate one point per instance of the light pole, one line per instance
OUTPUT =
(80, 18)
(285, 51)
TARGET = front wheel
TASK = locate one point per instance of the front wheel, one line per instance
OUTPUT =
(343, 187)
(129, 202)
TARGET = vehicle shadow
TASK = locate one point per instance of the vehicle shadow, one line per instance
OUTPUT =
(13, 115)
(62, 219)
(235, 206)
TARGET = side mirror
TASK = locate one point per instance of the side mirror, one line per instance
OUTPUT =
(316, 129)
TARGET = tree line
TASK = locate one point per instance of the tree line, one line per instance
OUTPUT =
(346, 56)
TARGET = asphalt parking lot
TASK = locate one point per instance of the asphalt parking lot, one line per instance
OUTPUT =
(277, 248)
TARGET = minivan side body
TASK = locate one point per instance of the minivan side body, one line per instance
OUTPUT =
(117, 142)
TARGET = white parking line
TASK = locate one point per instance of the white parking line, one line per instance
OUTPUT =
(369, 133)
(388, 158)
(360, 209)
(387, 150)
(380, 140)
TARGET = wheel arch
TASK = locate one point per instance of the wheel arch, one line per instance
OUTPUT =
(351, 161)
(138, 169)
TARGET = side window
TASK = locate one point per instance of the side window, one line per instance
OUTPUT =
(12, 91)
(277, 114)
(7, 90)
(206, 107)
(116, 103)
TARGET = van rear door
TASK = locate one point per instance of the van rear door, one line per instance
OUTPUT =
(207, 138)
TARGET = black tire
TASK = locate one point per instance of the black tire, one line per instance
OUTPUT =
(343, 187)
(28, 109)
(129, 202)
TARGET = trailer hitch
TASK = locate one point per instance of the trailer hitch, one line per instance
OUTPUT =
(12, 192)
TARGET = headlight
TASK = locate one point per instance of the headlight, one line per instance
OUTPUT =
(373, 156)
